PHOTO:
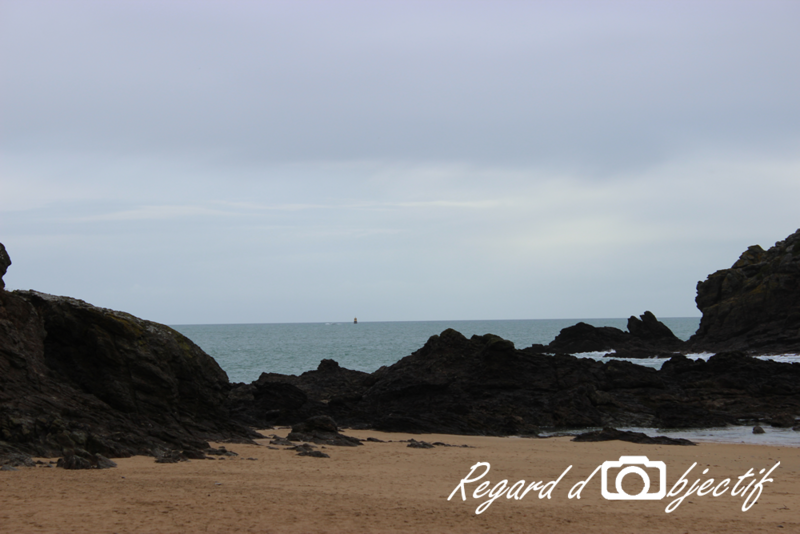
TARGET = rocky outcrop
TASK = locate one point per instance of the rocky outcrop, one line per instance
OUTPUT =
(755, 305)
(484, 385)
(646, 337)
(5, 261)
(612, 434)
(75, 377)
(276, 399)
(322, 430)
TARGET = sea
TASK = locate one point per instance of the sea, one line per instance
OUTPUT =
(245, 351)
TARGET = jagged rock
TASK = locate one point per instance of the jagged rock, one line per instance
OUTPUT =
(484, 386)
(75, 376)
(758, 430)
(222, 451)
(276, 399)
(414, 444)
(584, 337)
(170, 457)
(319, 423)
(649, 329)
(80, 459)
(5, 261)
(263, 403)
(609, 434)
(15, 459)
(647, 337)
(783, 420)
(315, 454)
(755, 305)
(323, 430)
(303, 447)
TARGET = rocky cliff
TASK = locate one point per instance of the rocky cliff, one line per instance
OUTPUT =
(75, 376)
(755, 305)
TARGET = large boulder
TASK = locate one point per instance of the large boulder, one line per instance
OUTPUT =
(755, 305)
(77, 377)
(646, 337)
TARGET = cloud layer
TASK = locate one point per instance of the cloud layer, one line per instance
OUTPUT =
(287, 161)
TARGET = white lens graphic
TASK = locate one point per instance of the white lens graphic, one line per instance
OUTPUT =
(633, 464)
(632, 469)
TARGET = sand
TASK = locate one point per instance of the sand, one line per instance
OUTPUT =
(389, 487)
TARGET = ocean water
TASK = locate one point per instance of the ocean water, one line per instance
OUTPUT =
(245, 351)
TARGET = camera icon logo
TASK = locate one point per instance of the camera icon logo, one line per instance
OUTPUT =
(634, 464)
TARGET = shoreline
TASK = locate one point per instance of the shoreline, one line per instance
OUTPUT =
(390, 487)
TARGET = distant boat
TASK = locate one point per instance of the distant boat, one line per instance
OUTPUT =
(355, 320)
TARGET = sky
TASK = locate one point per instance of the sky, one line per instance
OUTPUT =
(196, 162)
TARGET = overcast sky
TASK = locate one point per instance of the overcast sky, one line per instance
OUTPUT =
(301, 161)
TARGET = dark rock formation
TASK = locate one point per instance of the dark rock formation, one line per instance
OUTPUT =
(77, 377)
(5, 261)
(647, 337)
(610, 434)
(321, 429)
(80, 459)
(648, 329)
(755, 305)
(16, 460)
(276, 399)
(485, 386)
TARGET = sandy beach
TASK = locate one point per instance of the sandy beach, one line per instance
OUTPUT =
(390, 487)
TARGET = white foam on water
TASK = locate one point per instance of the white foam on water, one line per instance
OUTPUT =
(656, 363)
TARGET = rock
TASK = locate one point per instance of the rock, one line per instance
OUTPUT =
(647, 337)
(75, 376)
(5, 262)
(276, 399)
(303, 447)
(583, 337)
(648, 328)
(484, 386)
(264, 403)
(13, 459)
(414, 444)
(8, 468)
(318, 423)
(195, 454)
(315, 454)
(783, 420)
(755, 305)
(222, 451)
(80, 459)
(758, 430)
(796, 428)
(170, 457)
(323, 430)
(609, 434)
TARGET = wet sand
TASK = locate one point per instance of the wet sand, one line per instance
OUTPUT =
(389, 487)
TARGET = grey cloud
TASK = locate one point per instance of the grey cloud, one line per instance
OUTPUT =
(609, 87)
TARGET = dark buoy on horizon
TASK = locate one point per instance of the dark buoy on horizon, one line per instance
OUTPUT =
(355, 320)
